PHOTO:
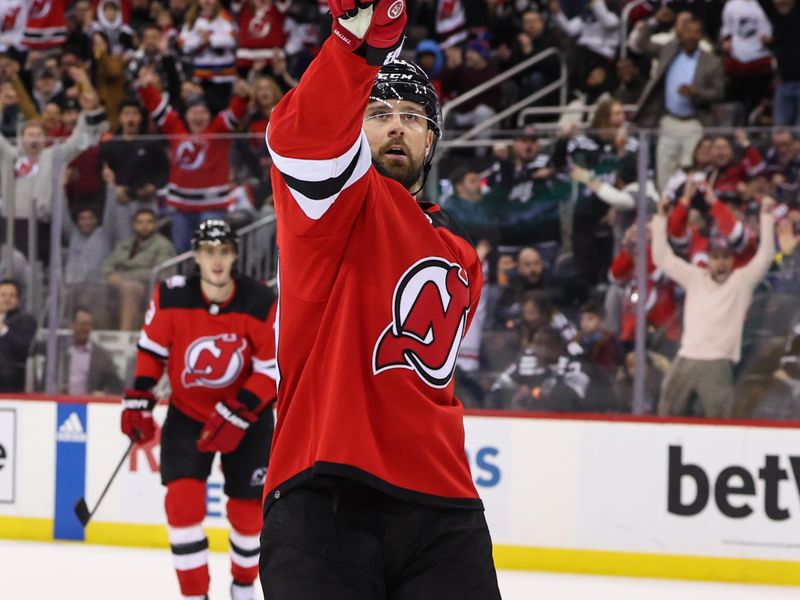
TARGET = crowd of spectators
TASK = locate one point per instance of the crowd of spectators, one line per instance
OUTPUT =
(156, 110)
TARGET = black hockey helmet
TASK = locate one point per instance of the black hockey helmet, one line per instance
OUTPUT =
(404, 80)
(214, 231)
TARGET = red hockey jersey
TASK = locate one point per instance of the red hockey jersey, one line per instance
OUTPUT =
(211, 351)
(261, 30)
(376, 294)
(47, 25)
(692, 244)
(199, 175)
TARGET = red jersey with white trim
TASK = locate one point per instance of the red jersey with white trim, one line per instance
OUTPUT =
(376, 294)
(690, 241)
(212, 352)
(261, 30)
(199, 175)
(46, 27)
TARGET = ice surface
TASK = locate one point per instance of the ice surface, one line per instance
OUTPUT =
(76, 571)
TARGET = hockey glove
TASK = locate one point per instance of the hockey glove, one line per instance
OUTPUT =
(375, 25)
(226, 428)
(137, 415)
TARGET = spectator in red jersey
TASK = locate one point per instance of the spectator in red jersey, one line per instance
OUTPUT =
(46, 29)
(623, 295)
(725, 174)
(261, 31)
(713, 217)
(199, 185)
(208, 37)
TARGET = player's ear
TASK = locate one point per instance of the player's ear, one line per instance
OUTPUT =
(428, 142)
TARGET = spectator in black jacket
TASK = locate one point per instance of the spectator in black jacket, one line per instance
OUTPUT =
(140, 166)
(785, 18)
(17, 330)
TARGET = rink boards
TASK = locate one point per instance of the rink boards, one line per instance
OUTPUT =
(675, 498)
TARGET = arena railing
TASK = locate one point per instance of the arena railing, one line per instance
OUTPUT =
(559, 84)
(258, 259)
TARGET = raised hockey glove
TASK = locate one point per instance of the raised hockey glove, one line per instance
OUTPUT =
(226, 428)
(137, 415)
(372, 27)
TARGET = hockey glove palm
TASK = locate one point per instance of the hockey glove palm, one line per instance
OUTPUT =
(137, 415)
(376, 24)
(226, 428)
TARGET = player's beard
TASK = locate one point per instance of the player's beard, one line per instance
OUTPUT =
(406, 173)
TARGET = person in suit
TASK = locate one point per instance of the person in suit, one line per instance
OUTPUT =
(17, 330)
(679, 96)
(85, 367)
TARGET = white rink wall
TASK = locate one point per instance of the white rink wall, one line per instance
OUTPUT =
(630, 497)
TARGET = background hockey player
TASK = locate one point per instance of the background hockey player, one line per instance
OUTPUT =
(214, 334)
(369, 493)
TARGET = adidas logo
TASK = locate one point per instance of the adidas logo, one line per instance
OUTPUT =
(71, 430)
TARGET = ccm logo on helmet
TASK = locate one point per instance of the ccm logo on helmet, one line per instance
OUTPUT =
(429, 308)
(396, 9)
(214, 361)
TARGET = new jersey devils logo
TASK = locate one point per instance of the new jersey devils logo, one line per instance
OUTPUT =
(430, 307)
(9, 21)
(260, 25)
(191, 154)
(39, 9)
(214, 361)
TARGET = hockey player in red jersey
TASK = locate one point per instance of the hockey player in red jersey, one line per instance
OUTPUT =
(214, 334)
(369, 492)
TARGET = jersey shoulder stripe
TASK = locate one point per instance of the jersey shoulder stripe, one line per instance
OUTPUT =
(316, 183)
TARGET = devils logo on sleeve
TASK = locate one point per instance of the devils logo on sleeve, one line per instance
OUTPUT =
(214, 361)
(430, 307)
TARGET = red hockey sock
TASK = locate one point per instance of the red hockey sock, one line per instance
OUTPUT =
(186, 508)
(245, 519)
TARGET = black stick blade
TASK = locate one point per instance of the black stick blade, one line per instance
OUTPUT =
(82, 511)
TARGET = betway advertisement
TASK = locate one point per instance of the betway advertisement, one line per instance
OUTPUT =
(706, 490)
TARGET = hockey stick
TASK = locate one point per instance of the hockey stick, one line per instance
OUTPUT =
(82, 510)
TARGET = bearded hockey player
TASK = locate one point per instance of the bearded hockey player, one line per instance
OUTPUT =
(369, 493)
(214, 334)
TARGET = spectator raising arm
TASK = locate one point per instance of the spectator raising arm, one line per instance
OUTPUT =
(663, 256)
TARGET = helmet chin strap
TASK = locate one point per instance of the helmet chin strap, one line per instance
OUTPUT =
(426, 169)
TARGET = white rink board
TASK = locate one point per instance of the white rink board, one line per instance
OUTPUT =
(27, 479)
(547, 483)
(603, 485)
